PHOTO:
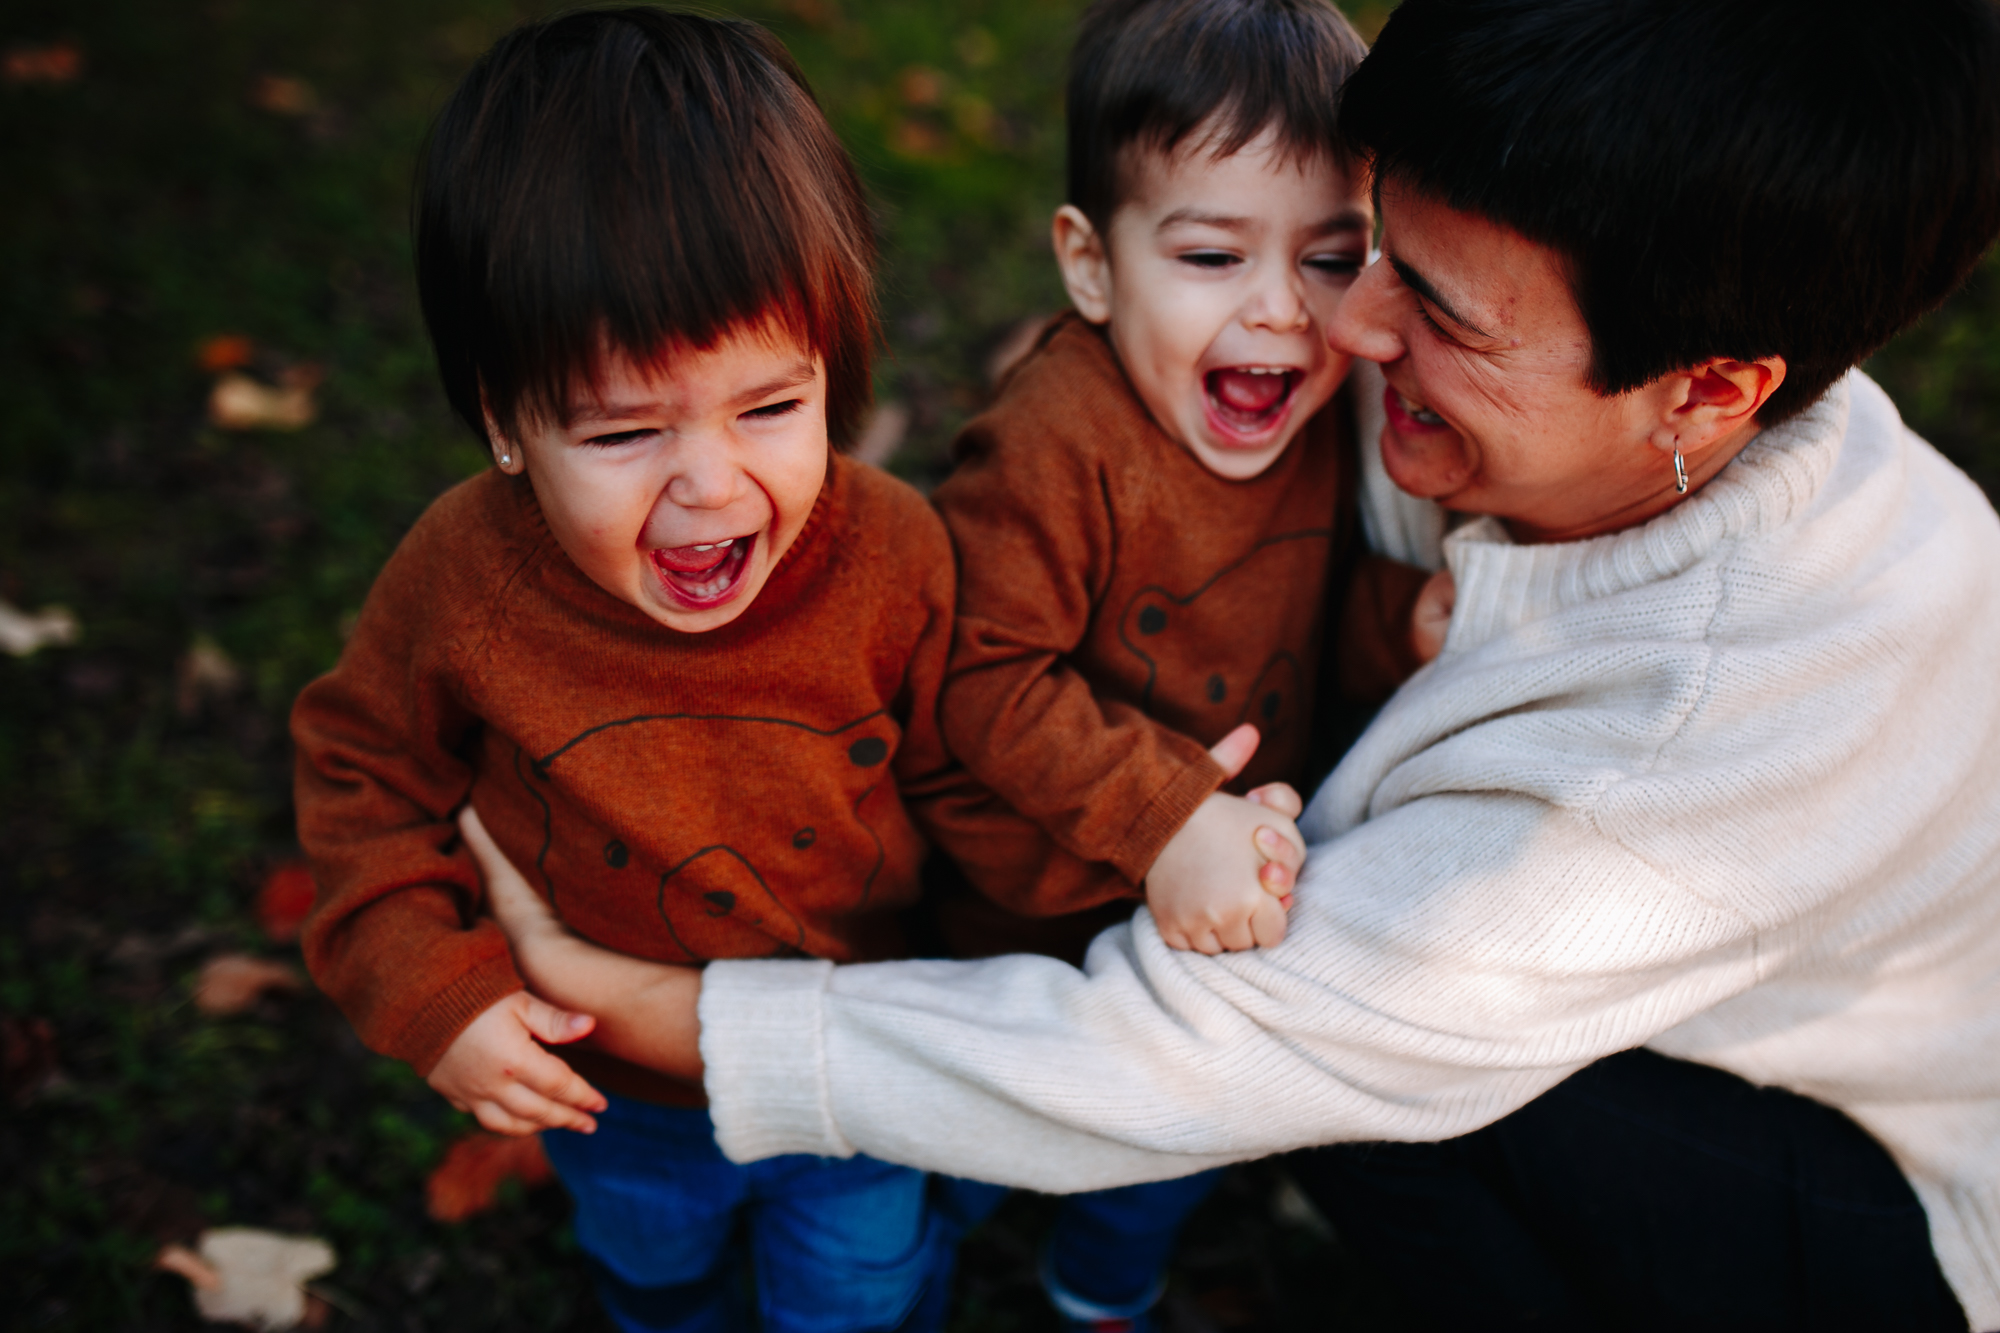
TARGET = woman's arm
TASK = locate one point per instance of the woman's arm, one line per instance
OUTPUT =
(1392, 1011)
(645, 1011)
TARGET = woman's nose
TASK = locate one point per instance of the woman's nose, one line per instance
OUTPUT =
(1364, 323)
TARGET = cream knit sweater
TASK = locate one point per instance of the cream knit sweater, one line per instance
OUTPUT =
(1726, 784)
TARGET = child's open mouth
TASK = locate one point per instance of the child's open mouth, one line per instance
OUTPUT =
(705, 574)
(1251, 401)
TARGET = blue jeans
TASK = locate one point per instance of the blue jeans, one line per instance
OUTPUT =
(1107, 1254)
(837, 1245)
(1107, 1257)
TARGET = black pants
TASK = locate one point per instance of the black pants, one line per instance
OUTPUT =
(1644, 1193)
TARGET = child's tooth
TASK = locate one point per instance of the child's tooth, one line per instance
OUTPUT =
(729, 542)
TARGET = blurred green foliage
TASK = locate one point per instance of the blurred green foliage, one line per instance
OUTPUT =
(171, 193)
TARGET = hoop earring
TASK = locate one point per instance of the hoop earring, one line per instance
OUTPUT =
(1680, 473)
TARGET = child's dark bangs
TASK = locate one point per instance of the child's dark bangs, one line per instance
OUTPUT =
(648, 181)
(1151, 74)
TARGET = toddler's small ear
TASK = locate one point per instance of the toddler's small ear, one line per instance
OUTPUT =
(1086, 269)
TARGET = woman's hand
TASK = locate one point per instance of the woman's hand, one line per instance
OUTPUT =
(645, 1011)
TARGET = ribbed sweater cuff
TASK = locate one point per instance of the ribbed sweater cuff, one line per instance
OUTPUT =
(424, 1039)
(1164, 815)
(763, 1040)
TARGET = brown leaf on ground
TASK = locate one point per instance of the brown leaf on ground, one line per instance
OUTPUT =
(232, 982)
(241, 1275)
(283, 95)
(205, 672)
(58, 62)
(27, 1056)
(285, 900)
(22, 634)
(240, 403)
(468, 1180)
(180, 1259)
(225, 351)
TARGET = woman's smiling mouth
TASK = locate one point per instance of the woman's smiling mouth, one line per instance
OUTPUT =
(705, 574)
(1404, 410)
(1248, 402)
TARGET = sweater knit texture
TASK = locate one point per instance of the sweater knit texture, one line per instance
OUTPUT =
(1121, 608)
(681, 797)
(1726, 784)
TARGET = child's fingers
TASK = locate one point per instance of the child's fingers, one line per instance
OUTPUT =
(1234, 936)
(1279, 796)
(552, 1025)
(1234, 750)
(553, 1078)
(1268, 923)
(1278, 880)
(530, 1107)
(493, 1116)
(1277, 848)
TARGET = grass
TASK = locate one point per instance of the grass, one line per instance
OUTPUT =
(154, 204)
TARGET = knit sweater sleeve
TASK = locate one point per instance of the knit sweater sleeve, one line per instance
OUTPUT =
(1446, 963)
(393, 937)
(1035, 531)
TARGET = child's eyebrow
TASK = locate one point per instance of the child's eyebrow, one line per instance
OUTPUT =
(791, 377)
(1352, 219)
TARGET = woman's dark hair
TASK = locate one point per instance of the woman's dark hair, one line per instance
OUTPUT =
(1799, 178)
(1152, 72)
(625, 180)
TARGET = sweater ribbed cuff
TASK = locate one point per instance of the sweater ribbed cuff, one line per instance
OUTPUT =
(431, 1031)
(1163, 816)
(763, 1041)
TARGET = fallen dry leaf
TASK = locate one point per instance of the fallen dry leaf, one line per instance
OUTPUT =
(58, 62)
(22, 634)
(205, 673)
(225, 351)
(180, 1259)
(240, 403)
(283, 95)
(468, 1180)
(232, 982)
(27, 1056)
(285, 900)
(241, 1275)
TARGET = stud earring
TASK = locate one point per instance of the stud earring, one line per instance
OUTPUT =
(505, 459)
(1680, 473)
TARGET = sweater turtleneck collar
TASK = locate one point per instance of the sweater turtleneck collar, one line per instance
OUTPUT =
(1502, 585)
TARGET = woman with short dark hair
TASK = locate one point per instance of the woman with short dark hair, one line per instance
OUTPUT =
(1689, 843)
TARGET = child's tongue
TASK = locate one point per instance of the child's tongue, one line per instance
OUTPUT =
(1245, 392)
(693, 559)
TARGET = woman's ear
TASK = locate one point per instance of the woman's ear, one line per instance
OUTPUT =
(1086, 269)
(1713, 403)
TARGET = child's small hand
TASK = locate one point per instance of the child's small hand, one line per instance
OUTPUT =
(1282, 858)
(495, 1070)
(1430, 617)
(1207, 889)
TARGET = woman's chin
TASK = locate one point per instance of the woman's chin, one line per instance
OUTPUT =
(1431, 465)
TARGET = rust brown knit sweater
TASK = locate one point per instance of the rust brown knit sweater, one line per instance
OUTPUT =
(1121, 608)
(680, 797)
